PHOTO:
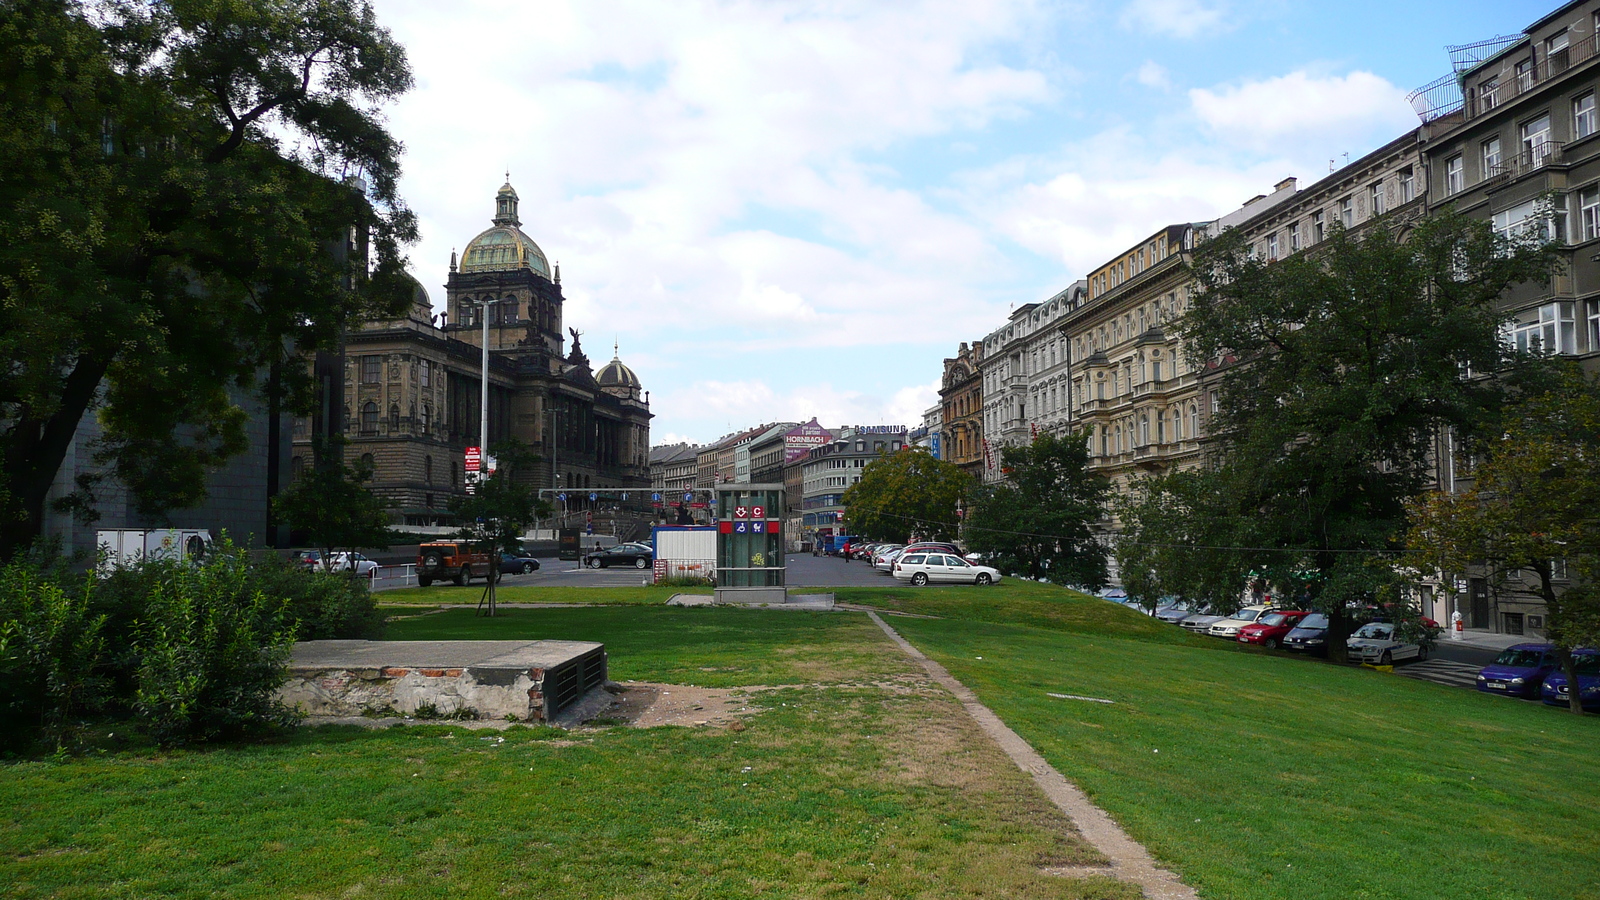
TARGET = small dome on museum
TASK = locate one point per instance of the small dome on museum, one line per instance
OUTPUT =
(504, 248)
(615, 374)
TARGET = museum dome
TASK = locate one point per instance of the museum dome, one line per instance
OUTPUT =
(504, 248)
(615, 374)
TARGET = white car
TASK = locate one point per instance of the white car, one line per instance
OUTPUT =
(347, 562)
(924, 566)
(1376, 643)
(1229, 627)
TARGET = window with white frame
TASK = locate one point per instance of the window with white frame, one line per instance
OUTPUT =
(1294, 237)
(1589, 212)
(1347, 212)
(1548, 329)
(1594, 324)
(1533, 220)
(1583, 116)
(1408, 185)
(1454, 180)
(1536, 141)
(1272, 246)
(1489, 94)
(1555, 52)
(1524, 69)
(1377, 198)
(1318, 228)
(1491, 156)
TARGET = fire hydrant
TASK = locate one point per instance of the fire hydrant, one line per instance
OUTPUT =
(1458, 629)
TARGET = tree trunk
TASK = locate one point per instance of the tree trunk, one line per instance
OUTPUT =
(1569, 663)
(34, 453)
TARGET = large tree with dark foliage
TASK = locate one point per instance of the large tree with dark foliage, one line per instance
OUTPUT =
(189, 191)
(1337, 370)
(907, 493)
(1042, 521)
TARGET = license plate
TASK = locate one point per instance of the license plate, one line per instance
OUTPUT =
(1498, 687)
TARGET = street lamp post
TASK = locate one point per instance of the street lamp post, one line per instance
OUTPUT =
(483, 454)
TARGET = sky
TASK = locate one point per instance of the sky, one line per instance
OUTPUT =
(780, 210)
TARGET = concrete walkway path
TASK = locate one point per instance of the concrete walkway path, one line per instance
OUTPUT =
(1130, 862)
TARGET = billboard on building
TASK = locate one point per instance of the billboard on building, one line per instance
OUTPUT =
(799, 440)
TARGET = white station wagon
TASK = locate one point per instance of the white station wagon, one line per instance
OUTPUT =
(922, 567)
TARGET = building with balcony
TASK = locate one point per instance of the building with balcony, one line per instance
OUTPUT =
(1510, 137)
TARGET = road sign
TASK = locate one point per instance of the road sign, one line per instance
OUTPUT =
(741, 512)
(562, 497)
(688, 497)
(656, 497)
(739, 527)
(593, 496)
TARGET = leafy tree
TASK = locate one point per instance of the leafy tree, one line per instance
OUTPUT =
(1171, 543)
(332, 504)
(1041, 521)
(503, 506)
(179, 214)
(1532, 502)
(905, 493)
(1337, 371)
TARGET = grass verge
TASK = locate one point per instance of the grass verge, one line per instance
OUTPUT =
(1260, 776)
(859, 779)
(643, 595)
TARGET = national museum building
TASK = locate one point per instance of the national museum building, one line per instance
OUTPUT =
(411, 386)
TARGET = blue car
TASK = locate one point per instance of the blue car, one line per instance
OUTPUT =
(1518, 671)
(1555, 690)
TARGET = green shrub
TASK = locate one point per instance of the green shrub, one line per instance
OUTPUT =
(52, 655)
(686, 581)
(212, 652)
(323, 605)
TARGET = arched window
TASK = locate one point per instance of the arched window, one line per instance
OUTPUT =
(1144, 429)
(427, 470)
(1155, 365)
(394, 419)
(1100, 386)
(427, 419)
(1194, 420)
(1104, 440)
(1177, 425)
(365, 463)
(369, 418)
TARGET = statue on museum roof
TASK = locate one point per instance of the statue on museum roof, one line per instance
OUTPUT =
(576, 356)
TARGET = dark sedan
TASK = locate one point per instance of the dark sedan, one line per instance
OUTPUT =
(514, 564)
(1310, 636)
(640, 556)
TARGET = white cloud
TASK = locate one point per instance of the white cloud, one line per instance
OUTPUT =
(1174, 18)
(1153, 74)
(1302, 109)
(730, 405)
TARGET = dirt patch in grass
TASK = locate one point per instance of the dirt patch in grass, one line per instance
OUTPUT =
(647, 705)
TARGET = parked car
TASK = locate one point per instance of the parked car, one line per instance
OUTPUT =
(1378, 643)
(1270, 630)
(1310, 636)
(344, 561)
(1199, 622)
(517, 563)
(884, 562)
(920, 568)
(1229, 627)
(1519, 671)
(640, 556)
(940, 546)
(310, 559)
(1555, 690)
(1180, 610)
(450, 561)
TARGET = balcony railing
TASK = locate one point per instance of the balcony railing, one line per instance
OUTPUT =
(1443, 97)
(1548, 153)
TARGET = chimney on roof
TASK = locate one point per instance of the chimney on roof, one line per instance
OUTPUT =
(1285, 185)
(1255, 198)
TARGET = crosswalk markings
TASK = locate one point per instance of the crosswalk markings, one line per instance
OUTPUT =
(1442, 671)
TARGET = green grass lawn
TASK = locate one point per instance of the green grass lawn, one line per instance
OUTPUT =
(860, 779)
(1261, 776)
(643, 595)
(1254, 775)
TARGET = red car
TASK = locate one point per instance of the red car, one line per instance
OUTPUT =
(1273, 626)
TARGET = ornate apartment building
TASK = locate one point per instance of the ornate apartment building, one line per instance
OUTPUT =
(411, 386)
(961, 396)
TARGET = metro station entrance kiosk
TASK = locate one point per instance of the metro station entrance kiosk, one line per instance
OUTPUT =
(750, 566)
